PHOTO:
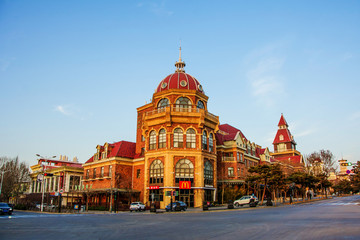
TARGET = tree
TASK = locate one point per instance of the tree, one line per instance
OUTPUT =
(355, 178)
(270, 176)
(318, 163)
(303, 180)
(343, 186)
(324, 183)
(277, 179)
(264, 173)
(15, 174)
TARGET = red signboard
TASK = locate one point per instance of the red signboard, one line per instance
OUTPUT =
(184, 185)
(154, 187)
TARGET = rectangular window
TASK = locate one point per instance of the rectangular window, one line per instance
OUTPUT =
(94, 173)
(110, 171)
(230, 172)
(102, 172)
(87, 174)
(57, 184)
(142, 151)
(138, 173)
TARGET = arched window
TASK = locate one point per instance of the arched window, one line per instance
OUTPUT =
(208, 173)
(211, 143)
(163, 103)
(152, 142)
(281, 137)
(178, 138)
(200, 104)
(184, 171)
(204, 141)
(190, 138)
(182, 104)
(162, 138)
(156, 172)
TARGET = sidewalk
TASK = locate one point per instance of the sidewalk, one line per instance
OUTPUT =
(199, 209)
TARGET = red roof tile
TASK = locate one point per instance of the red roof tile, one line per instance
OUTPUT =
(119, 149)
(282, 121)
(286, 136)
(179, 80)
(291, 159)
(231, 130)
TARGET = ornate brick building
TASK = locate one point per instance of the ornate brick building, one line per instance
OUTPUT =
(179, 147)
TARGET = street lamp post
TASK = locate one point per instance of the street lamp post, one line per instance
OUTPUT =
(43, 181)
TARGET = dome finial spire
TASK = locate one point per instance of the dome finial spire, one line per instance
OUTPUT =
(180, 64)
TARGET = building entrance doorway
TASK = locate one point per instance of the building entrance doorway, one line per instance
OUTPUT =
(186, 196)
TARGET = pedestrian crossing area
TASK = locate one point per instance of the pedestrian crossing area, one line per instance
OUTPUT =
(338, 204)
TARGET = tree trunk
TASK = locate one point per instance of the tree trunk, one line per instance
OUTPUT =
(262, 199)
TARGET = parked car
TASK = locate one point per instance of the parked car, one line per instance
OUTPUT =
(46, 207)
(137, 206)
(245, 200)
(183, 206)
(5, 209)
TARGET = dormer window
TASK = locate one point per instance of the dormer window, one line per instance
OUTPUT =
(281, 137)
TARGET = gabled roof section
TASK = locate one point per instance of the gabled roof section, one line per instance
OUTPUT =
(90, 160)
(282, 121)
(286, 136)
(119, 149)
(232, 131)
(123, 149)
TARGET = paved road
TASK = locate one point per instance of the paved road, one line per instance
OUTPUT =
(338, 218)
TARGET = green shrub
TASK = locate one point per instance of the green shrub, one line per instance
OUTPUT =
(99, 208)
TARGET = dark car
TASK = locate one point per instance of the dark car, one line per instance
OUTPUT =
(5, 209)
(182, 205)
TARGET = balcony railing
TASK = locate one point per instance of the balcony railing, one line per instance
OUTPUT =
(180, 108)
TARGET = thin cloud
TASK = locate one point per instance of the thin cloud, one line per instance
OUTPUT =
(155, 8)
(265, 79)
(355, 116)
(63, 110)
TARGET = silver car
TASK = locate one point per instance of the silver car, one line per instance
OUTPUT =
(245, 200)
(137, 206)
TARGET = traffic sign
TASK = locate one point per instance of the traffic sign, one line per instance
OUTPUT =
(40, 177)
(61, 191)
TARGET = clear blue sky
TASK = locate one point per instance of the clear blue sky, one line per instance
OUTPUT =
(72, 73)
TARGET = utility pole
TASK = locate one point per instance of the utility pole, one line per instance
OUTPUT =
(43, 181)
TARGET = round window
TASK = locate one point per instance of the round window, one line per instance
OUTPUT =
(163, 85)
(200, 88)
(183, 83)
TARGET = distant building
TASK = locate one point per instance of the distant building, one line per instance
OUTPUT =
(285, 152)
(66, 179)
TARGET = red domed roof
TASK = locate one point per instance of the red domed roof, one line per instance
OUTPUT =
(179, 80)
